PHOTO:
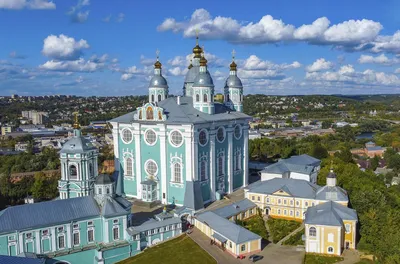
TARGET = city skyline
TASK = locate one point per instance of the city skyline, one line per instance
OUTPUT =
(90, 48)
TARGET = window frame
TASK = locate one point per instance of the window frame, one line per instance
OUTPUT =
(78, 236)
(88, 236)
(146, 136)
(205, 137)
(63, 241)
(312, 231)
(126, 129)
(171, 136)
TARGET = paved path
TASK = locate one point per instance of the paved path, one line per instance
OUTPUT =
(204, 242)
(291, 234)
(350, 257)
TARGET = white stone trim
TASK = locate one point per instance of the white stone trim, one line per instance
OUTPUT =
(224, 133)
(145, 136)
(170, 138)
(137, 135)
(163, 153)
(122, 135)
(207, 137)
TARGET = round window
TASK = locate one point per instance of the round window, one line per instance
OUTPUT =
(220, 134)
(151, 167)
(238, 132)
(127, 135)
(203, 137)
(176, 138)
(150, 137)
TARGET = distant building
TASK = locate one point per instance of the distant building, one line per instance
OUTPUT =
(303, 167)
(21, 146)
(98, 124)
(253, 134)
(35, 116)
(370, 150)
(5, 130)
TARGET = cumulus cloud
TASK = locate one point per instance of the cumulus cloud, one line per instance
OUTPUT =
(381, 59)
(320, 65)
(178, 71)
(79, 65)
(350, 35)
(75, 13)
(63, 47)
(255, 63)
(27, 4)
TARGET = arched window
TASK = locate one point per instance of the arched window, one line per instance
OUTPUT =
(159, 97)
(177, 172)
(220, 166)
(152, 98)
(128, 167)
(203, 172)
(330, 249)
(108, 190)
(197, 97)
(73, 172)
(227, 97)
(149, 113)
(312, 232)
(90, 170)
(205, 98)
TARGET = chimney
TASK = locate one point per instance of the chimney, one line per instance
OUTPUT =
(178, 100)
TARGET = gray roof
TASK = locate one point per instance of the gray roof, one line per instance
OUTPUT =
(191, 74)
(20, 260)
(158, 81)
(302, 164)
(112, 208)
(303, 159)
(104, 179)
(294, 187)
(226, 228)
(329, 213)
(151, 224)
(203, 79)
(29, 216)
(233, 82)
(77, 144)
(193, 196)
(123, 202)
(332, 193)
(185, 113)
(235, 208)
(374, 148)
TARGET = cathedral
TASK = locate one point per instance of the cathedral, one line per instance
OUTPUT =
(187, 150)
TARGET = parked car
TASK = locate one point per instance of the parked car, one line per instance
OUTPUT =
(255, 258)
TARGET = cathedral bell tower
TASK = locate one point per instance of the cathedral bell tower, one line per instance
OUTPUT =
(79, 167)
(233, 90)
(158, 87)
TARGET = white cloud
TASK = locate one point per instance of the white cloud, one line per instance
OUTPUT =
(29, 4)
(255, 63)
(350, 35)
(63, 47)
(320, 65)
(146, 61)
(178, 71)
(79, 65)
(397, 70)
(381, 59)
(107, 19)
(126, 76)
(179, 60)
(120, 17)
(102, 59)
(78, 16)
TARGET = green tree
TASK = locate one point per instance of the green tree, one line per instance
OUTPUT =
(345, 155)
(374, 163)
(319, 152)
(39, 186)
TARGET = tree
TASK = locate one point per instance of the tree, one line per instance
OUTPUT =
(374, 163)
(345, 155)
(39, 186)
(319, 152)
(326, 124)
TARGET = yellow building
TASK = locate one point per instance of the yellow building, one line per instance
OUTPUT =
(329, 228)
(232, 238)
(289, 198)
(5, 130)
(237, 211)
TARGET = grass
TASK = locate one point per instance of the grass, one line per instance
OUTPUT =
(295, 240)
(365, 261)
(320, 259)
(256, 225)
(280, 228)
(179, 250)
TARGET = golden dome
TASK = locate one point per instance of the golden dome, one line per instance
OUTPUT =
(203, 61)
(233, 66)
(157, 65)
(197, 50)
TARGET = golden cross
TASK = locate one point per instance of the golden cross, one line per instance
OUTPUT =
(233, 54)
(157, 53)
(197, 36)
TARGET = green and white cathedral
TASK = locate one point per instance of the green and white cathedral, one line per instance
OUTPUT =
(187, 150)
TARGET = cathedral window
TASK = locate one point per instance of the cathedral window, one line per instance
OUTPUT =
(152, 98)
(151, 167)
(203, 170)
(241, 98)
(237, 162)
(61, 242)
(330, 249)
(312, 232)
(238, 132)
(149, 112)
(76, 239)
(116, 232)
(203, 137)
(197, 97)
(177, 172)
(159, 97)
(108, 190)
(73, 172)
(205, 98)
(221, 165)
(159, 115)
(150, 137)
(176, 138)
(99, 191)
(128, 167)
(90, 170)
(90, 235)
(221, 134)
(227, 98)
(127, 136)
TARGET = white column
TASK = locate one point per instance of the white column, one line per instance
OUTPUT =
(37, 242)
(230, 159)
(162, 236)
(68, 236)
(246, 155)
(195, 156)
(339, 240)
(21, 244)
(149, 241)
(164, 167)
(53, 239)
(124, 228)
(212, 162)
(116, 144)
(138, 162)
(106, 237)
(323, 239)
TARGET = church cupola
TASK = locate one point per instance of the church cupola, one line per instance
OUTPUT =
(331, 179)
(158, 87)
(203, 89)
(233, 90)
(193, 68)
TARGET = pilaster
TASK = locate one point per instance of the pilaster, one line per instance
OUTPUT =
(212, 162)
(163, 153)
(229, 132)
(136, 135)
(246, 155)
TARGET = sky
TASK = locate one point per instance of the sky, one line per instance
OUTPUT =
(108, 48)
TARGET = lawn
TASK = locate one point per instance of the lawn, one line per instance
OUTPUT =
(179, 250)
(295, 240)
(256, 225)
(318, 259)
(280, 228)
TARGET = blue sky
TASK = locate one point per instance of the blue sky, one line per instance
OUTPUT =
(88, 47)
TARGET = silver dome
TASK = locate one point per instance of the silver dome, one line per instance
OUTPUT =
(191, 74)
(158, 81)
(233, 82)
(203, 79)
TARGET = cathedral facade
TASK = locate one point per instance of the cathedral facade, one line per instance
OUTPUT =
(187, 150)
